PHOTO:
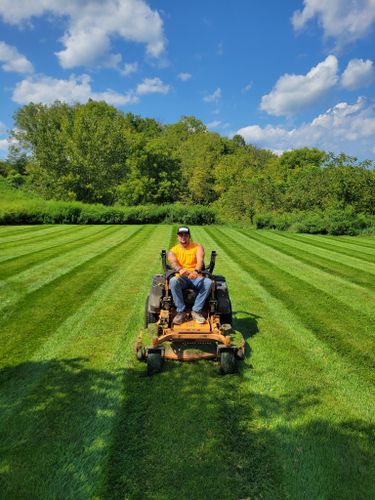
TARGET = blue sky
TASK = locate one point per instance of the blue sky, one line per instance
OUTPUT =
(284, 74)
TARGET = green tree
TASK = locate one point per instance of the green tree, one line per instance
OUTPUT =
(97, 147)
(199, 155)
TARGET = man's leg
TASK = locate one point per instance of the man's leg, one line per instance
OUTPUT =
(177, 284)
(203, 286)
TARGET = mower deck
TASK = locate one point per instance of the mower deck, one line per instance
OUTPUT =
(189, 341)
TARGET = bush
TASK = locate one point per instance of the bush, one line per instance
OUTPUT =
(336, 222)
(16, 207)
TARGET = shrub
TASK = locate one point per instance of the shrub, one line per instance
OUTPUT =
(336, 222)
(16, 207)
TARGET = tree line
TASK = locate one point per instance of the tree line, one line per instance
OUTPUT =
(94, 153)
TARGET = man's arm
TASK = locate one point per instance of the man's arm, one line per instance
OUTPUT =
(199, 265)
(200, 257)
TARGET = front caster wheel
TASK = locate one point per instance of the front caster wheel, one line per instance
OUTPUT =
(154, 363)
(228, 362)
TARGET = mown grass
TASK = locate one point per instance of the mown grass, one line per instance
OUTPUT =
(79, 418)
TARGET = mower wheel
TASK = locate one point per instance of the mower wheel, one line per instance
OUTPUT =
(227, 362)
(154, 363)
(149, 317)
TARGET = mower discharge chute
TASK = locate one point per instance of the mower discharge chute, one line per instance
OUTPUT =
(215, 339)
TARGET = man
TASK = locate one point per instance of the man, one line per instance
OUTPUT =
(187, 258)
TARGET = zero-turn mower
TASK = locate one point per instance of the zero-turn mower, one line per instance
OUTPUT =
(215, 339)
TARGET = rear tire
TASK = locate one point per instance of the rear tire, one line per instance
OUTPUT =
(149, 317)
(154, 363)
(228, 362)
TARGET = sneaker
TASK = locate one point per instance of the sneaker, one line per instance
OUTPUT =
(198, 317)
(179, 318)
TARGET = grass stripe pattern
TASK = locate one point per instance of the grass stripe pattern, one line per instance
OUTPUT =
(80, 419)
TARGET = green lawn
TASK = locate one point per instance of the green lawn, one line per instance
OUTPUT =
(79, 419)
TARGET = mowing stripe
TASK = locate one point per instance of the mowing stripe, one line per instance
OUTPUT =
(359, 240)
(332, 267)
(94, 380)
(24, 261)
(286, 332)
(358, 349)
(337, 244)
(93, 314)
(39, 235)
(298, 418)
(8, 231)
(41, 274)
(341, 289)
(20, 250)
(332, 246)
(356, 246)
(31, 240)
(328, 254)
(307, 397)
(79, 282)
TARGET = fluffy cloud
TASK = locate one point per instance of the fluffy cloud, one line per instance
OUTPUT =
(295, 92)
(213, 97)
(14, 61)
(76, 89)
(91, 24)
(345, 127)
(358, 73)
(152, 86)
(129, 68)
(344, 20)
(184, 76)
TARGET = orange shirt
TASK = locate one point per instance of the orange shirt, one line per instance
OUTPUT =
(186, 257)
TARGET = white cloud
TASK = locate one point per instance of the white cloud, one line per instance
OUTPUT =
(247, 88)
(13, 60)
(214, 124)
(129, 69)
(345, 127)
(184, 77)
(213, 97)
(358, 73)
(152, 86)
(45, 89)
(344, 20)
(91, 24)
(4, 145)
(293, 93)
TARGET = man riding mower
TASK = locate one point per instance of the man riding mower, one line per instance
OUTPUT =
(188, 312)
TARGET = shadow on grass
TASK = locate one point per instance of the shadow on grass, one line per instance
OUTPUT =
(248, 326)
(70, 431)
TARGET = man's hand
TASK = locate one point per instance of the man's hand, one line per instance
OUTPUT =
(193, 275)
(184, 272)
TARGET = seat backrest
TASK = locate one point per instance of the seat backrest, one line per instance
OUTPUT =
(167, 267)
